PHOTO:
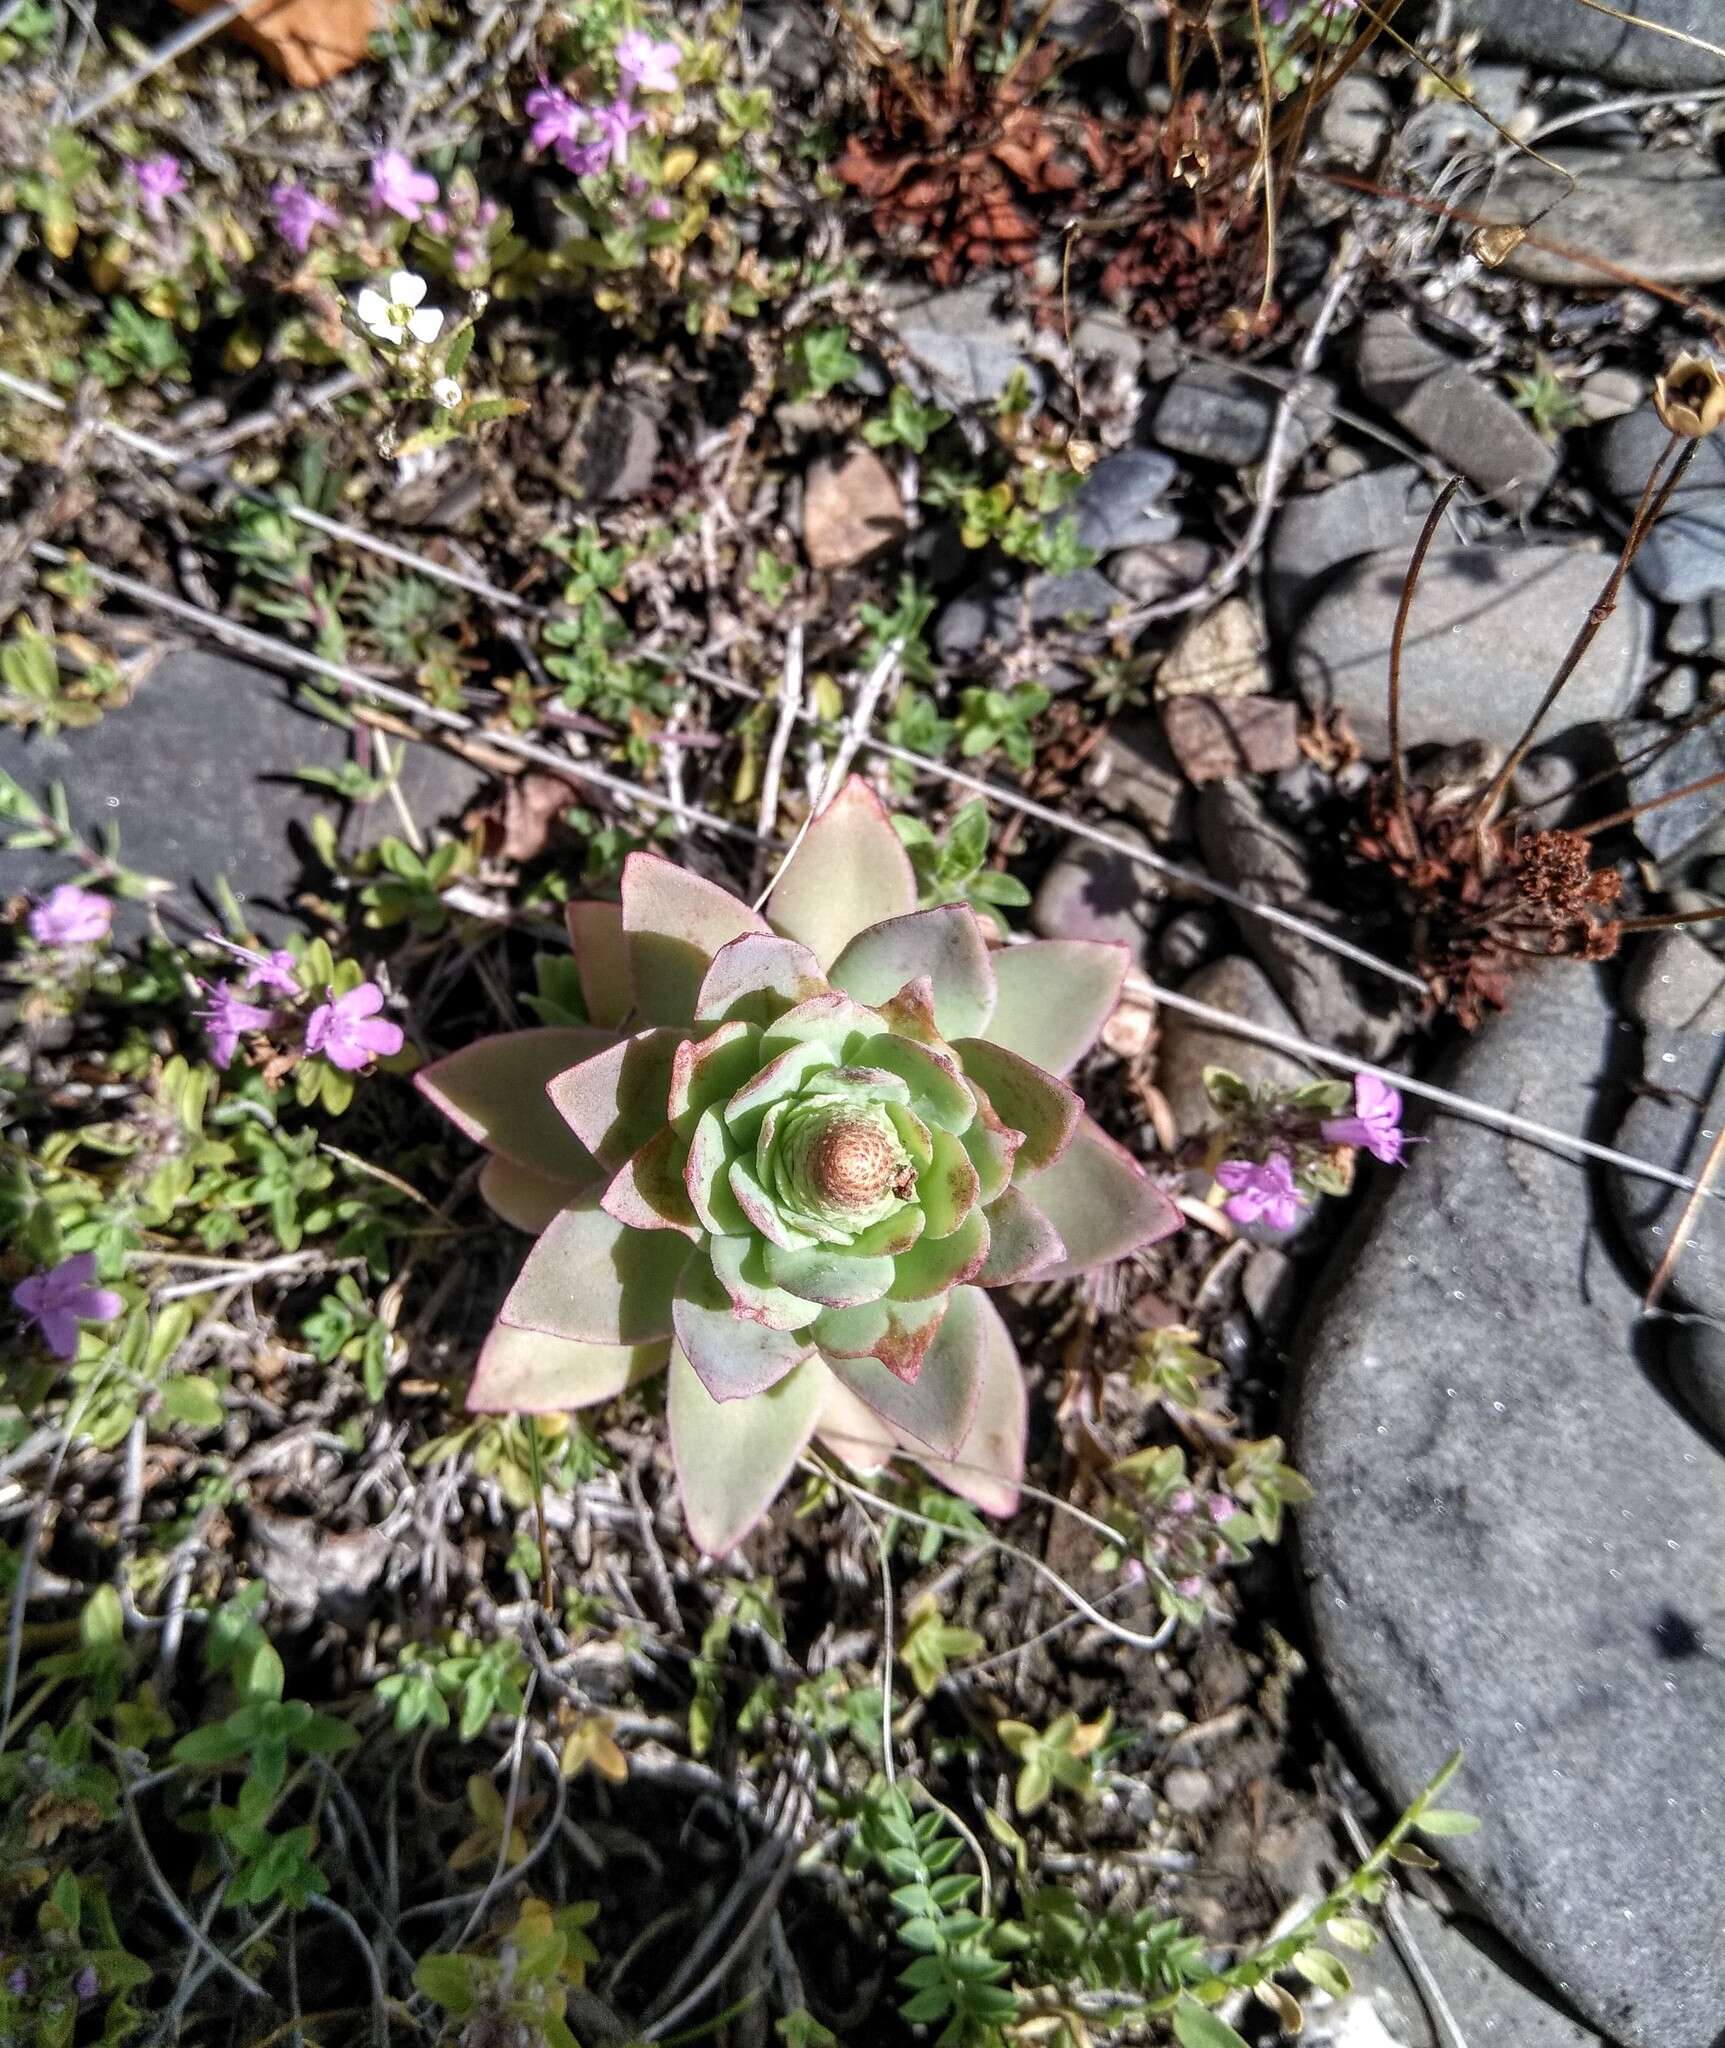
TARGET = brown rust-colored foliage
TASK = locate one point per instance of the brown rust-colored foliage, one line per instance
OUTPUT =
(970, 172)
(1485, 901)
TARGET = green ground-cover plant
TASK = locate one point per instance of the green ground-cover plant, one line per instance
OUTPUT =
(829, 1131)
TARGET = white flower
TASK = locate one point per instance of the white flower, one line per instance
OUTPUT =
(391, 319)
(446, 391)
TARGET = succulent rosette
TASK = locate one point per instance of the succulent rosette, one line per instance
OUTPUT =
(785, 1160)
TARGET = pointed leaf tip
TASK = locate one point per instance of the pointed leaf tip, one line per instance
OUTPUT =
(851, 871)
(732, 1457)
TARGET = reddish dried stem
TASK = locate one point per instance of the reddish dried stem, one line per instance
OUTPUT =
(1647, 511)
(1422, 547)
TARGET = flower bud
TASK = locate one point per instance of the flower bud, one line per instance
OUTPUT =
(1690, 396)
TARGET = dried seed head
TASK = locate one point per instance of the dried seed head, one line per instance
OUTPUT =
(1690, 396)
(853, 1162)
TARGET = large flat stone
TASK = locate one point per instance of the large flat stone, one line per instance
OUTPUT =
(1514, 1547)
(1488, 629)
(197, 775)
(1560, 36)
(1659, 213)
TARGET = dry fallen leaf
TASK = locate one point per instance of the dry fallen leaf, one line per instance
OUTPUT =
(308, 41)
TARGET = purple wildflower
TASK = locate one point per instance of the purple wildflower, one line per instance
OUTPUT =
(616, 123)
(584, 159)
(396, 187)
(1376, 1123)
(70, 916)
(1222, 1509)
(645, 65)
(348, 1031)
(226, 1014)
(158, 178)
(60, 1299)
(86, 1984)
(277, 970)
(1261, 1193)
(18, 1981)
(298, 215)
(557, 117)
(659, 208)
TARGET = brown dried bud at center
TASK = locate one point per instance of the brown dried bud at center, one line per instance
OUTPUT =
(852, 1162)
(1690, 397)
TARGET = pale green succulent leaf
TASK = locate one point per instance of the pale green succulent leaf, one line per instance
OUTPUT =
(934, 1408)
(757, 978)
(706, 1176)
(850, 872)
(601, 949)
(992, 1147)
(937, 1091)
(947, 1188)
(494, 1091)
(615, 1101)
(1022, 1241)
(528, 1372)
(1101, 1201)
(595, 1281)
(892, 1235)
(740, 1264)
(761, 1210)
(782, 1074)
(736, 1359)
(675, 922)
(934, 1264)
(527, 1200)
(943, 947)
(913, 1133)
(832, 1020)
(826, 1274)
(649, 1192)
(732, 1457)
(853, 1432)
(709, 1070)
(1025, 1098)
(898, 1333)
(988, 1465)
(1053, 998)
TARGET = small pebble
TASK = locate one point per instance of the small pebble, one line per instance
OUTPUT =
(1187, 1790)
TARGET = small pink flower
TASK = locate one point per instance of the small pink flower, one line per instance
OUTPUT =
(1261, 1193)
(60, 1299)
(659, 208)
(226, 1014)
(584, 159)
(396, 187)
(70, 916)
(159, 179)
(298, 215)
(1182, 1502)
(1190, 1588)
(277, 970)
(645, 65)
(616, 123)
(1222, 1509)
(348, 1031)
(1376, 1124)
(557, 118)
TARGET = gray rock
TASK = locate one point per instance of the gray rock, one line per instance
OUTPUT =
(613, 451)
(1077, 598)
(1217, 414)
(1676, 993)
(969, 350)
(1354, 121)
(1684, 556)
(1559, 36)
(1450, 409)
(1659, 212)
(1686, 757)
(1609, 394)
(1689, 630)
(1093, 893)
(1485, 1988)
(1188, 940)
(1695, 1359)
(1488, 629)
(1141, 777)
(1188, 1046)
(1513, 1549)
(1245, 848)
(1187, 1789)
(1319, 531)
(1115, 506)
(1163, 569)
(196, 775)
